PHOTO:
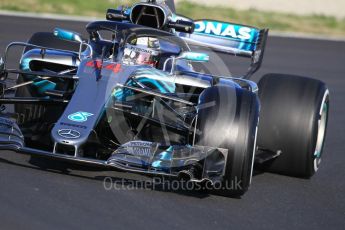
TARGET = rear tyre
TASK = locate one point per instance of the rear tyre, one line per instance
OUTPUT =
(228, 118)
(293, 119)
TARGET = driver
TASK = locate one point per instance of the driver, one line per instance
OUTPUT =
(142, 51)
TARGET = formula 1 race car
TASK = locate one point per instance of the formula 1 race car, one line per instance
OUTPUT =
(136, 102)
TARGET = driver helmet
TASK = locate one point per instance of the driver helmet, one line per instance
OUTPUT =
(142, 51)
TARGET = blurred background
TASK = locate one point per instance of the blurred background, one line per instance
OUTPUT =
(314, 17)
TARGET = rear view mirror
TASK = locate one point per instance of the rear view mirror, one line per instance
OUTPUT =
(67, 35)
(189, 56)
(194, 57)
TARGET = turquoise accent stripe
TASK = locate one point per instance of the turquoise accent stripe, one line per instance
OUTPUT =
(44, 85)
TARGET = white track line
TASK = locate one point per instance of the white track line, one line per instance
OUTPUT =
(89, 19)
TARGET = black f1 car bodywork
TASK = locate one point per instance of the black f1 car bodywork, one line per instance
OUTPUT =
(77, 100)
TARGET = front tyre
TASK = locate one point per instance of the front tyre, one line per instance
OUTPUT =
(228, 118)
(293, 119)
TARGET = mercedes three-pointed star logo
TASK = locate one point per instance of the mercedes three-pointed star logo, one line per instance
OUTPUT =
(69, 133)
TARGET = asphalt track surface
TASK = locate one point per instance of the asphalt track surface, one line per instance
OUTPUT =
(58, 197)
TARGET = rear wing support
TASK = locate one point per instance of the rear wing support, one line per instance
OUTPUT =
(258, 54)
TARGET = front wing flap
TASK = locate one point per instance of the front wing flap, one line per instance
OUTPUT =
(198, 163)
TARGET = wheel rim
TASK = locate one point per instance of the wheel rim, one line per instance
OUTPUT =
(322, 125)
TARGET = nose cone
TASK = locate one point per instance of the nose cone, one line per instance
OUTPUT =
(74, 136)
